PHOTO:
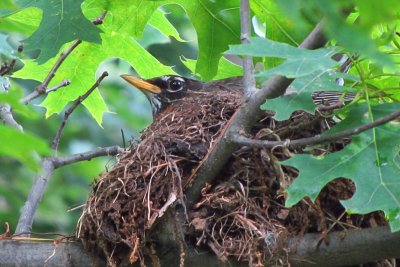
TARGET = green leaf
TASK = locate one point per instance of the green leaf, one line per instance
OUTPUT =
(22, 146)
(279, 26)
(12, 98)
(161, 23)
(217, 26)
(5, 48)
(129, 17)
(301, 90)
(25, 21)
(7, 4)
(377, 12)
(6, 7)
(299, 62)
(226, 68)
(62, 22)
(371, 161)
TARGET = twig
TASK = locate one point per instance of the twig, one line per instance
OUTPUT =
(105, 151)
(7, 117)
(56, 87)
(245, 141)
(41, 89)
(244, 117)
(75, 104)
(48, 166)
(36, 94)
(249, 82)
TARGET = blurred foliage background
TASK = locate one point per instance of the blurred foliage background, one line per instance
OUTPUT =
(129, 114)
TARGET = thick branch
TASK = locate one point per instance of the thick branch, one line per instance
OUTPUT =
(344, 248)
(318, 139)
(48, 166)
(28, 211)
(244, 118)
(75, 104)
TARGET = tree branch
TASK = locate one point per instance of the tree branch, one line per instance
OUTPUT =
(75, 104)
(48, 166)
(105, 151)
(28, 211)
(345, 248)
(41, 89)
(7, 117)
(318, 139)
(36, 94)
(244, 118)
(249, 82)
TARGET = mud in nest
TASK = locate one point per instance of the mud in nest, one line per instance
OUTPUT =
(242, 215)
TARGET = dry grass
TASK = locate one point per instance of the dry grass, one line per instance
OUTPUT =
(242, 215)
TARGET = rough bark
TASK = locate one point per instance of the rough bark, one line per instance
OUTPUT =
(339, 249)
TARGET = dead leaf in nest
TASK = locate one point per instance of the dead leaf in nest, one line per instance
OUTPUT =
(133, 256)
(199, 224)
(283, 214)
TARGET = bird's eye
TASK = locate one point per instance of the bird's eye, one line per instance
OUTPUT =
(176, 85)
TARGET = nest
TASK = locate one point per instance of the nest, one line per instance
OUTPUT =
(242, 215)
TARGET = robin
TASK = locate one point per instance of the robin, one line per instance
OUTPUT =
(164, 90)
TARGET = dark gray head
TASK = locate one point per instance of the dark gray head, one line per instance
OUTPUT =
(163, 90)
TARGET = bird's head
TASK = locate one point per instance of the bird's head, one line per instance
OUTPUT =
(161, 91)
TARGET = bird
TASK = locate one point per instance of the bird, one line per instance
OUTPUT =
(164, 90)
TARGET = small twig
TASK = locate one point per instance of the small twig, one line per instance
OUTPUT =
(105, 151)
(99, 20)
(63, 83)
(36, 93)
(245, 141)
(41, 89)
(7, 117)
(48, 166)
(75, 104)
(249, 82)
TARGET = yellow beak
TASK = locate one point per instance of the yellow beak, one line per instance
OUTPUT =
(141, 84)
